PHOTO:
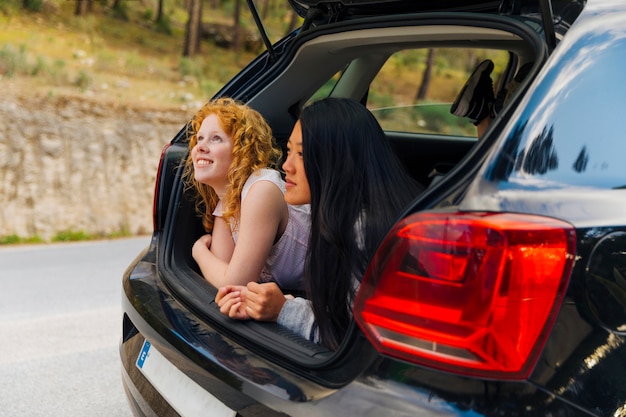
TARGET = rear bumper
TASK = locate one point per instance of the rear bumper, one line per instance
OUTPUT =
(363, 397)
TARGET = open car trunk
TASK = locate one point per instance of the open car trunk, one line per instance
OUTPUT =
(321, 53)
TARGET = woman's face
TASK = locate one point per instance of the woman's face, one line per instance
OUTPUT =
(297, 185)
(212, 155)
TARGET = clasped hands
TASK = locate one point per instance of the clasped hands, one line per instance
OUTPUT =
(261, 302)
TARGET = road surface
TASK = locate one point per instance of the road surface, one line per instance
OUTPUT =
(60, 324)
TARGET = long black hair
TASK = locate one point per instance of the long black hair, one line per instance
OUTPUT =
(358, 189)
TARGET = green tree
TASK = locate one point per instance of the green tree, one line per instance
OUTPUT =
(423, 90)
(81, 7)
(193, 29)
(237, 26)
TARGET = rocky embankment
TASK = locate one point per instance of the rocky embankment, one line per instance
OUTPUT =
(70, 164)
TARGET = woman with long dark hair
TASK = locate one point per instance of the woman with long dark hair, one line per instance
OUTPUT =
(340, 162)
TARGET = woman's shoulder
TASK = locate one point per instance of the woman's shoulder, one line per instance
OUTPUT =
(264, 174)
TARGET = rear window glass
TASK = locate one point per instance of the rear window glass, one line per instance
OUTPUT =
(569, 133)
(415, 88)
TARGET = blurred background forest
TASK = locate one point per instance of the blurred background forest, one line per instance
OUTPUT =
(158, 52)
(93, 89)
(169, 52)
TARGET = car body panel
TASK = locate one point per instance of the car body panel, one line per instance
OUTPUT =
(562, 144)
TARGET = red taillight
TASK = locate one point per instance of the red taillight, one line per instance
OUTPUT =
(470, 293)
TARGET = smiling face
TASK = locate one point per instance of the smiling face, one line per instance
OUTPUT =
(298, 191)
(212, 155)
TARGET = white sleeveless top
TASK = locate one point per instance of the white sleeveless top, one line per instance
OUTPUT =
(285, 263)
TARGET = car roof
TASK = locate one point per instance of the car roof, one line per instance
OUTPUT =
(360, 8)
(319, 12)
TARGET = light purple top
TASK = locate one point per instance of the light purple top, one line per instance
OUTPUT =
(285, 263)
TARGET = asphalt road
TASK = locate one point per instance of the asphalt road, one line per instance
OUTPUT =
(60, 324)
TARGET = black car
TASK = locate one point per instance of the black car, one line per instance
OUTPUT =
(502, 289)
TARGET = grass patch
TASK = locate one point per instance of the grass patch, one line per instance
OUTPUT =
(83, 80)
(15, 239)
(13, 60)
(80, 235)
(119, 234)
(64, 236)
(72, 236)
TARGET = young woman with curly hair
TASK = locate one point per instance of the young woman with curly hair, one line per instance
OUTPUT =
(253, 235)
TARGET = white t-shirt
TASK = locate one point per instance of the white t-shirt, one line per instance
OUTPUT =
(285, 263)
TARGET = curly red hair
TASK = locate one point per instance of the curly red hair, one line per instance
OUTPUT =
(254, 147)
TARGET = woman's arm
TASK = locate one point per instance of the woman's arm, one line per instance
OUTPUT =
(263, 214)
(223, 249)
(210, 249)
(222, 244)
(297, 315)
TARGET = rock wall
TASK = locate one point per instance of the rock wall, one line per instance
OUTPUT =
(72, 164)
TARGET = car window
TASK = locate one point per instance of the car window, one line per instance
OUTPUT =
(415, 88)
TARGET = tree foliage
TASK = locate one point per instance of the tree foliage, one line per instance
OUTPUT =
(188, 19)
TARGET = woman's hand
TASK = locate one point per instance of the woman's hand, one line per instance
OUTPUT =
(201, 246)
(230, 300)
(263, 302)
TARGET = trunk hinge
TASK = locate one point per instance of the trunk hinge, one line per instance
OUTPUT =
(514, 7)
(311, 15)
(259, 25)
(331, 11)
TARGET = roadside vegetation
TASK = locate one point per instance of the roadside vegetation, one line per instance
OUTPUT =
(137, 51)
(142, 53)
(63, 236)
(123, 54)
